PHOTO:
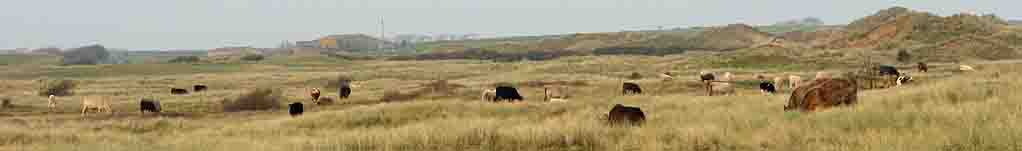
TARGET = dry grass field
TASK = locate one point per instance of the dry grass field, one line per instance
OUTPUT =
(943, 110)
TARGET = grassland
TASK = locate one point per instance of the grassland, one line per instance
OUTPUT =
(944, 110)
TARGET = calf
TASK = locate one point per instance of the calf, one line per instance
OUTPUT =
(150, 105)
(177, 91)
(630, 88)
(626, 115)
(199, 88)
(507, 93)
(767, 87)
(295, 109)
(314, 94)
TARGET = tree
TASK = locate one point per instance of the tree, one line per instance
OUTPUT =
(88, 55)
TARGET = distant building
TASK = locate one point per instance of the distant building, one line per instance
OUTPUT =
(349, 42)
(307, 44)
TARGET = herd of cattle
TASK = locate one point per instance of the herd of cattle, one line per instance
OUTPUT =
(821, 92)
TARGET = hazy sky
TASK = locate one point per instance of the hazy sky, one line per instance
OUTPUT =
(201, 24)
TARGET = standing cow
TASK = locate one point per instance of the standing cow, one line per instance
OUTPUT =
(922, 67)
(52, 103)
(626, 115)
(344, 91)
(315, 94)
(95, 103)
(507, 93)
(150, 105)
(295, 109)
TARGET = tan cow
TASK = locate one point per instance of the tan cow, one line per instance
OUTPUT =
(822, 75)
(794, 81)
(665, 76)
(823, 93)
(52, 102)
(965, 68)
(98, 103)
(552, 93)
(488, 95)
(778, 83)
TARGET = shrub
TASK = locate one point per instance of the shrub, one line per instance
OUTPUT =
(258, 99)
(184, 59)
(252, 57)
(88, 55)
(638, 51)
(56, 87)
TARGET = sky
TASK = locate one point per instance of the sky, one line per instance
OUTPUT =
(205, 24)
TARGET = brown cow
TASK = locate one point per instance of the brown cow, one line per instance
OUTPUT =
(823, 93)
(315, 95)
(922, 67)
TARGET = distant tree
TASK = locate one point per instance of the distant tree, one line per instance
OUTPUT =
(48, 50)
(184, 59)
(88, 55)
(903, 56)
(252, 57)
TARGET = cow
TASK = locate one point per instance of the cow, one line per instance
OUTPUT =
(630, 88)
(52, 103)
(823, 93)
(507, 93)
(725, 88)
(887, 70)
(295, 109)
(5, 103)
(489, 95)
(552, 93)
(903, 79)
(823, 75)
(150, 105)
(344, 92)
(177, 91)
(315, 94)
(965, 68)
(92, 103)
(666, 76)
(922, 67)
(727, 77)
(794, 81)
(767, 87)
(626, 115)
(199, 88)
(706, 76)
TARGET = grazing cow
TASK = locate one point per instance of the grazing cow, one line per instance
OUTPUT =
(177, 91)
(706, 76)
(886, 70)
(507, 93)
(724, 88)
(922, 67)
(91, 103)
(489, 95)
(150, 105)
(199, 88)
(965, 68)
(314, 94)
(344, 92)
(295, 109)
(823, 93)
(767, 87)
(621, 115)
(794, 81)
(666, 76)
(630, 88)
(555, 92)
(52, 103)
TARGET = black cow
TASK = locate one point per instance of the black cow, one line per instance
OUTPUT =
(707, 77)
(630, 88)
(150, 105)
(888, 70)
(621, 114)
(178, 91)
(507, 93)
(295, 109)
(199, 88)
(768, 87)
(922, 67)
(344, 92)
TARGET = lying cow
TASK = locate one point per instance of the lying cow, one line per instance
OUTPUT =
(823, 93)
(199, 88)
(626, 115)
(150, 105)
(177, 91)
(630, 88)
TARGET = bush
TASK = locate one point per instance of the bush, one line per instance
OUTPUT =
(258, 99)
(252, 57)
(88, 55)
(638, 51)
(184, 59)
(56, 87)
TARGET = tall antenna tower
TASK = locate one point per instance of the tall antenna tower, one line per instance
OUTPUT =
(383, 39)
